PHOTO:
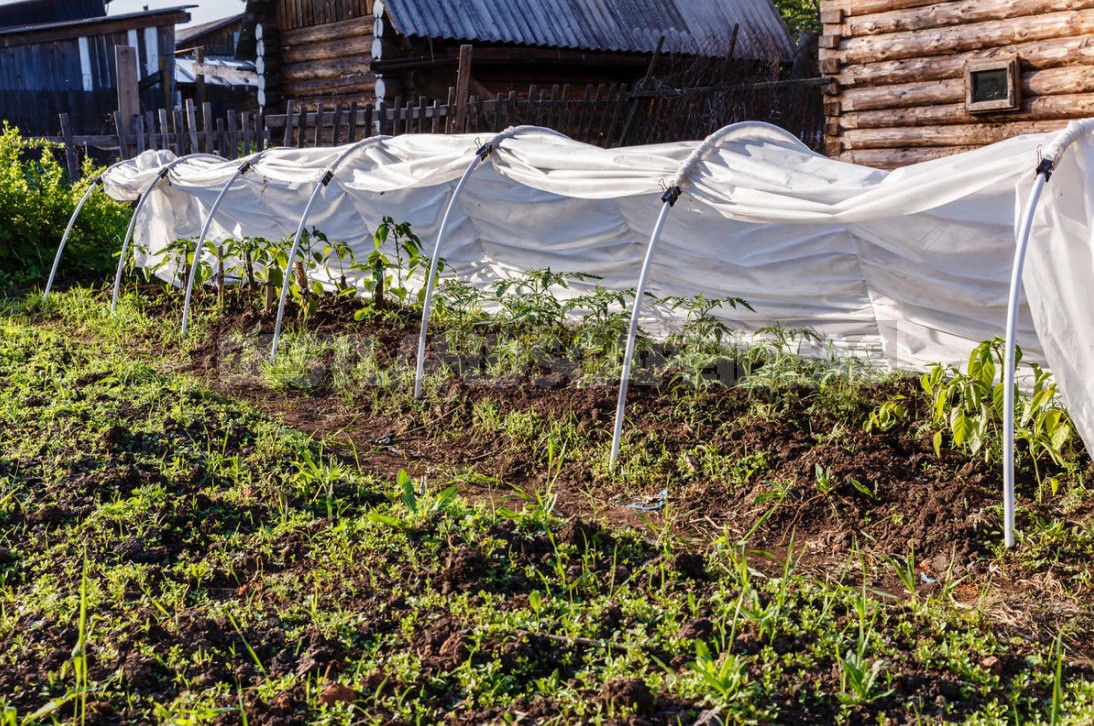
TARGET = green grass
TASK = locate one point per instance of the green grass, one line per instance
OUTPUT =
(172, 554)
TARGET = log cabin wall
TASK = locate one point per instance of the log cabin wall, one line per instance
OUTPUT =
(324, 50)
(898, 67)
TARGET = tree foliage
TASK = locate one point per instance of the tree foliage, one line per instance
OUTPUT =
(37, 200)
(800, 15)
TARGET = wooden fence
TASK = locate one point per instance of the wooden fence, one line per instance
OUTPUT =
(604, 115)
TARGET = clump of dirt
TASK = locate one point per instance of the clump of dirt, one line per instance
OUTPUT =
(628, 693)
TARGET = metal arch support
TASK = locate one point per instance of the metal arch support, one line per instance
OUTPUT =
(419, 371)
(243, 169)
(667, 202)
(320, 186)
(328, 175)
(64, 238)
(160, 176)
(1044, 171)
(481, 155)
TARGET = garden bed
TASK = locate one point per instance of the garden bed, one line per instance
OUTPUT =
(193, 535)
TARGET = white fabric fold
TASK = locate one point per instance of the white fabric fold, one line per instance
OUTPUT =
(912, 266)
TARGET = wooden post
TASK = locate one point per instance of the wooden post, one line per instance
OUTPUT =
(336, 134)
(287, 140)
(463, 82)
(165, 84)
(232, 151)
(352, 122)
(180, 142)
(129, 98)
(450, 110)
(70, 149)
(150, 128)
(641, 85)
(245, 122)
(192, 127)
(165, 129)
(199, 75)
(318, 141)
(207, 124)
(137, 126)
(123, 140)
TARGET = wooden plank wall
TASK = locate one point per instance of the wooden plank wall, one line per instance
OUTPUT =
(39, 81)
(898, 95)
(295, 14)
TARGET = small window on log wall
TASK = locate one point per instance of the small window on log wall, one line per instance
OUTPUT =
(992, 85)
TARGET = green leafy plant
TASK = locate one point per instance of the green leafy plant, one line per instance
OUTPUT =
(969, 406)
(886, 415)
(725, 677)
(38, 199)
(387, 273)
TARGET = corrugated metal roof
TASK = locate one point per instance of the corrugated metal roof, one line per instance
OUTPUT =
(29, 12)
(90, 23)
(697, 27)
(185, 35)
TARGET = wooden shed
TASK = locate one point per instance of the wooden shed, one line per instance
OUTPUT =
(914, 80)
(69, 67)
(346, 51)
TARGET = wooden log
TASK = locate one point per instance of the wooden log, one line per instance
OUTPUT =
(975, 36)
(895, 158)
(1037, 55)
(339, 68)
(955, 135)
(1041, 108)
(950, 14)
(358, 85)
(1053, 81)
(334, 48)
(868, 7)
(352, 28)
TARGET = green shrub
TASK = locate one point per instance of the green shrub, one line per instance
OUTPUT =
(37, 200)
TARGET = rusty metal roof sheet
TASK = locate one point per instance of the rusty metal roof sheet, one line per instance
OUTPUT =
(698, 27)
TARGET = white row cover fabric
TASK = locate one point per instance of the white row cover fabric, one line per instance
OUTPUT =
(910, 266)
